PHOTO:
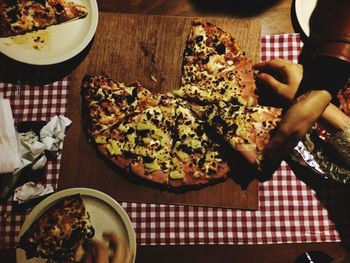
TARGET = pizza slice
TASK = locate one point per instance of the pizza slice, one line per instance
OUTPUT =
(19, 17)
(61, 233)
(215, 69)
(140, 144)
(109, 103)
(198, 159)
(247, 129)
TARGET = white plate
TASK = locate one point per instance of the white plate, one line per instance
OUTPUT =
(303, 11)
(106, 215)
(61, 42)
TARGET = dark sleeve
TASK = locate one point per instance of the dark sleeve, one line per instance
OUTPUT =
(330, 66)
(335, 39)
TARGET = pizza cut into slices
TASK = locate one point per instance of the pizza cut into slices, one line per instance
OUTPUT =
(109, 102)
(247, 129)
(215, 69)
(163, 142)
(22, 16)
(61, 233)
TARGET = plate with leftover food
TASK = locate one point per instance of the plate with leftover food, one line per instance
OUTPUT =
(45, 33)
(59, 227)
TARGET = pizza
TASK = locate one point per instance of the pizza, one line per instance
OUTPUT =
(61, 233)
(155, 136)
(215, 69)
(22, 16)
(246, 128)
(164, 138)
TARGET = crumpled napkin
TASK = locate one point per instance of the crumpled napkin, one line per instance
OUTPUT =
(9, 153)
(32, 150)
(52, 134)
(31, 190)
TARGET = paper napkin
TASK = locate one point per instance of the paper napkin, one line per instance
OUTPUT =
(10, 159)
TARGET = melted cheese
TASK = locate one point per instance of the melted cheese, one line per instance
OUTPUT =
(216, 63)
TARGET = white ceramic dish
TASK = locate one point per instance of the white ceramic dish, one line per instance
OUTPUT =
(106, 215)
(303, 11)
(54, 44)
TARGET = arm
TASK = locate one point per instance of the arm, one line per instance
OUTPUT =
(283, 78)
(327, 72)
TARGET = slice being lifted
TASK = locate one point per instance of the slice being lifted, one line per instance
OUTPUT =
(214, 68)
(60, 234)
(161, 140)
(246, 129)
(22, 16)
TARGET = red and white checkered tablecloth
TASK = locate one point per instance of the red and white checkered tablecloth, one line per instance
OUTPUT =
(289, 210)
(31, 103)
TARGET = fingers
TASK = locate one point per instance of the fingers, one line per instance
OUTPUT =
(275, 65)
(121, 250)
(88, 256)
(280, 76)
(282, 90)
(98, 252)
(269, 81)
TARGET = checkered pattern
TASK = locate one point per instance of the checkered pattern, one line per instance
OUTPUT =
(31, 103)
(289, 211)
(286, 46)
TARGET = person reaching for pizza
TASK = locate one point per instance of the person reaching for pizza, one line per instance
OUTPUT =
(286, 85)
(116, 252)
(310, 89)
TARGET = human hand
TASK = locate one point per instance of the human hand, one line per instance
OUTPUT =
(281, 77)
(116, 252)
(295, 123)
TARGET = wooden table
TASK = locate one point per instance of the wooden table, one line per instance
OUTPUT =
(275, 18)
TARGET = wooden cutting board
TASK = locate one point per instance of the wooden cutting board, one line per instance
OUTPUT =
(147, 49)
